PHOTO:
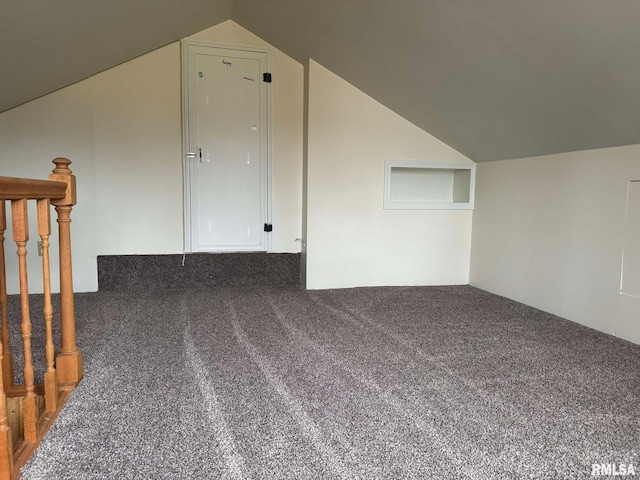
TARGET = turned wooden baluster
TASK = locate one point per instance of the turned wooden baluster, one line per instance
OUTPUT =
(6, 444)
(69, 360)
(44, 230)
(21, 237)
(7, 358)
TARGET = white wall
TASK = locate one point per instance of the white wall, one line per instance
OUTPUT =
(351, 240)
(547, 232)
(122, 131)
(59, 124)
(137, 154)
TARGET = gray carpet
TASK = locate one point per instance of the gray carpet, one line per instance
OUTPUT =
(438, 382)
(200, 270)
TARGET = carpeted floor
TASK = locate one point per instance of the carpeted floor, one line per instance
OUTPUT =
(375, 383)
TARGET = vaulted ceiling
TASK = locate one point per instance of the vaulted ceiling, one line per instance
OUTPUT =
(48, 44)
(494, 79)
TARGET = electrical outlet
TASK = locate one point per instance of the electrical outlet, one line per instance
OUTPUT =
(40, 248)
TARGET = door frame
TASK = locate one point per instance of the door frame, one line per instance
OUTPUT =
(188, 195)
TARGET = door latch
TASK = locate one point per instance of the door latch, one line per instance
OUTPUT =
(194, 154)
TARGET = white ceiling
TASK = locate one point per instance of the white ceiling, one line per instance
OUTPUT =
(494, 79)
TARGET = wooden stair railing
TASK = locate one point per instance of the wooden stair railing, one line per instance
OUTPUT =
(36, 405)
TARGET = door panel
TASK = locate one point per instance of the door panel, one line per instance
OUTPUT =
(228, 132)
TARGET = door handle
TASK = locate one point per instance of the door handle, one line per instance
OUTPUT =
(191, 154)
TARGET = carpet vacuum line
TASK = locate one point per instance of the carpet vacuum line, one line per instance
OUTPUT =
(389, 398)
(306, 424)
(512, 411)
(234, 460)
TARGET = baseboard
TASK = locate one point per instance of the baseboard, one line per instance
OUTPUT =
(200, 270)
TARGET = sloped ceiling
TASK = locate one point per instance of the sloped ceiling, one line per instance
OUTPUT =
(49, 44)
(494, 79)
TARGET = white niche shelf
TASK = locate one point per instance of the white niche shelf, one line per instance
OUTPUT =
(428, 185)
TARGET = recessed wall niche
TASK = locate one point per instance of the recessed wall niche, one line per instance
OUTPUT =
(428, 185)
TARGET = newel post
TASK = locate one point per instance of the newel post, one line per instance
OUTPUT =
(69, 360)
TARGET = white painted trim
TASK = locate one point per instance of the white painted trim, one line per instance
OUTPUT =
(269, 245)
(186, 175)
(428, 165)
(229, 46)
(624, 242)
(189, 195)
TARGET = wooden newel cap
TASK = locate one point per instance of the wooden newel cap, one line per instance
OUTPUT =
(62, 166)
(62, 173)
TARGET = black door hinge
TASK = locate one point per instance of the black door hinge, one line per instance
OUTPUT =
(268, 227)
(266, 77)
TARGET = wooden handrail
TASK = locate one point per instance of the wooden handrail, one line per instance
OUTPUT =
(17, 442)
(12, 188)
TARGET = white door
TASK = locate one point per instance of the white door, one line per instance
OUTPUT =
(226, 148)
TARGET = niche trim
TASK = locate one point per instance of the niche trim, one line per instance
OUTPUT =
(426, 185)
